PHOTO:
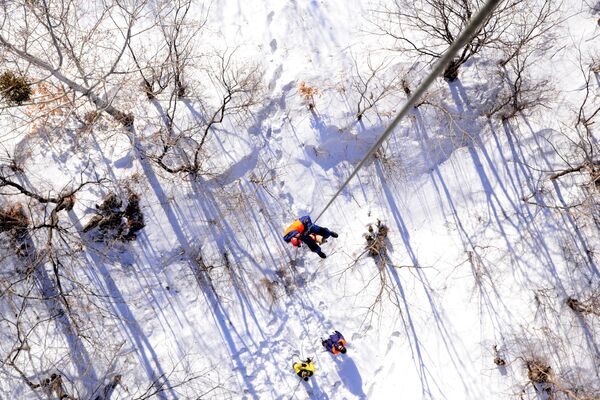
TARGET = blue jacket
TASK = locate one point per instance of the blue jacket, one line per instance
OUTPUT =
(333, 340)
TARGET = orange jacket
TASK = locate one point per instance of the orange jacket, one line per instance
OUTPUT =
(302, 224)
(297, 225)
(336, 351)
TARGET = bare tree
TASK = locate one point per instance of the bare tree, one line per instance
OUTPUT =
(583, 136)
(59, 321)
(163, 65)
(427, 27)
(525, 45)
(237, 89)
(374, 83)
(518, 90)
(377, 246)
(51, 38)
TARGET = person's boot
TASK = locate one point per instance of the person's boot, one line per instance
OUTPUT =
(333, 234)
(321, 254)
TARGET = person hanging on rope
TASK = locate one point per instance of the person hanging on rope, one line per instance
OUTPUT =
(335, 344)
(303, 230)
(304, 369)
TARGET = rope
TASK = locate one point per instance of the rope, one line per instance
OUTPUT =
(441, 64)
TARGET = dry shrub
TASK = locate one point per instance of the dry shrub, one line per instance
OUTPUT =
(595, 177)
(406, 87)
(115, 222)
(56, 385)
(66, 203)
(538, 371)
(48, 101)
(15, 222)
(588, 306)
(13, 219)
(308, 93)
(576, 305)
(15, 89)
(498, 359)
(148, 90)
(376, 238)
(393, 165)
(125, 119)
(90, 117)
(271, 287)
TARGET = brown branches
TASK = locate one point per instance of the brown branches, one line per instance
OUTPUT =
(20, 224)
(546, 382)
(308, 93)
(428, 27)
(14, 218)
(24, 325)
(238, 88)
(62, 199)
(529, 37)
(569, 171)
(376, 247)
(374, 84)
(166, 67)
(589, 110)
(58, 29)
(590, 306)
(581, 137)
(114, 222)
(519, 91)
(120, 116)
(376, 241)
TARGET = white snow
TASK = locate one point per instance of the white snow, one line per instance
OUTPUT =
(471, 264)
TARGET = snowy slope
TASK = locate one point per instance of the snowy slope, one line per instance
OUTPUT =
(209, 302)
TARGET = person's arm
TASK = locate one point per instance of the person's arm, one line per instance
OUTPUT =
(290, 235)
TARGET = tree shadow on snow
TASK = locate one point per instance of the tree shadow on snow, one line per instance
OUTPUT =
(132, 329)
(522, 211)
(530, 231)
(147, 353)
(220, 314)
(81, 360)
(427, 377)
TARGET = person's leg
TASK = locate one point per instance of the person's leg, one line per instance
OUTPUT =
(312, 245)
(319, 230)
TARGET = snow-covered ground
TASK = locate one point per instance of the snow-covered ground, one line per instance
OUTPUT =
(482, 253)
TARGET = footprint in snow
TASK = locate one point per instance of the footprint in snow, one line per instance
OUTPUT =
(276, 76)
(391, 343)
(273, 45)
